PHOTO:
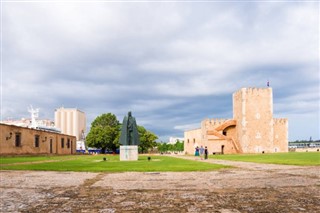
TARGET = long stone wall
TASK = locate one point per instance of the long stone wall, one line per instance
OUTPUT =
(16, 140)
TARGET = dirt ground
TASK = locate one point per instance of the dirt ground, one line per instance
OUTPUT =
(248, 187)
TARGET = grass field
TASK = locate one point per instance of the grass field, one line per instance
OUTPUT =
(19, 159)
(95, 163)
(290, 158)
(89, 163)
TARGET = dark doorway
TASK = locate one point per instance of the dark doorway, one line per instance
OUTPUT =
(50, 146)
(18, 139)
(222, 149)
(71, 148)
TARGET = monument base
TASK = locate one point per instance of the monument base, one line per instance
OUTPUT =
(128, 153)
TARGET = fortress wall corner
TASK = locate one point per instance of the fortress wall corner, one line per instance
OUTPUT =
(280, 126)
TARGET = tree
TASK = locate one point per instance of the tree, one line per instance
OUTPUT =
(165, 147)
(162, 147)
(147, 139)
(179, 146)
(104, 132)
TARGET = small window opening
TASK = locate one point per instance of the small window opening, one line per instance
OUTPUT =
(68, 143)
(62, 142)
(18, 139)
(36, 140)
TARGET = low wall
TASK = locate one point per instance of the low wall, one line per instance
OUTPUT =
(317, 149)
(15, 140)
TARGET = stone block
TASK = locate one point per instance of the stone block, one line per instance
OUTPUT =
(129, 153)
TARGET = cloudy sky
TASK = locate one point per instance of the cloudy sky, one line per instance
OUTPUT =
(171, 63)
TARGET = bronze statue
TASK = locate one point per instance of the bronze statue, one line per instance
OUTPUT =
(129, 132)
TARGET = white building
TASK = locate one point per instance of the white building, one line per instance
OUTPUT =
(173, 140)
(26, 122)
(33, 122)
(70, 121)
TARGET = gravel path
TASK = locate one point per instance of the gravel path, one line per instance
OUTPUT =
(248, 187)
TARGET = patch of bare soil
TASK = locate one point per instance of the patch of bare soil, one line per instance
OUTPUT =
(246, 188)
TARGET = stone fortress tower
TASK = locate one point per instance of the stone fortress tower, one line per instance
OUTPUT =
(252, 129)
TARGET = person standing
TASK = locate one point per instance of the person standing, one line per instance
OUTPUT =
(206, 153)
(196, 151)
(201, 152)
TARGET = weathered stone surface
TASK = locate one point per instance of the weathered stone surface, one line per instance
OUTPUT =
(128, 153)
(248, 187)
(251, 130)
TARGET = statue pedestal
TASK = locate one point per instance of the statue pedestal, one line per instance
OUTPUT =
(128, 153)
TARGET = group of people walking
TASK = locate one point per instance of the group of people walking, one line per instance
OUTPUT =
(202, 152)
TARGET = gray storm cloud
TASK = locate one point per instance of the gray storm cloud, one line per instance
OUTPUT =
(172, 64)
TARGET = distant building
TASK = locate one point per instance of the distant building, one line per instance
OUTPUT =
(173, 140)
(70, 121)
(34, 122)
(27, 122)
(251, 130)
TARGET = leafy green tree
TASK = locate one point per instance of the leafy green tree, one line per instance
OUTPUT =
(162, 147)
(166, 147)
(104, 133)
(147, 139)
(179, 146)
(170, 147)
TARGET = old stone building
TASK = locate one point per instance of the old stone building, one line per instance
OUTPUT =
(251, 130)
(15, 140)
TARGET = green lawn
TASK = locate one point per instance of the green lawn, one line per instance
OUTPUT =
(87, 163)
(290, 158)
(24, 159)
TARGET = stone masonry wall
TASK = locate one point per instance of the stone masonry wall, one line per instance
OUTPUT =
(48, 142)
(192, 138)
(253, 109)
(253, 128)
(280, 130)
